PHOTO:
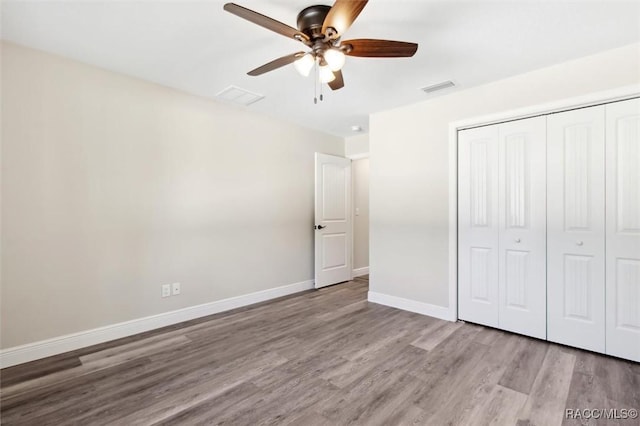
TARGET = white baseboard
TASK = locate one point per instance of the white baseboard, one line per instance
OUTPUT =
(70, 342)
(360, 272)
(412, 306)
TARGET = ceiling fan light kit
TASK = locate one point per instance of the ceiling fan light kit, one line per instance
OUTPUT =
(304, 64)
(335, 58)
(325, 74)
(321, 28)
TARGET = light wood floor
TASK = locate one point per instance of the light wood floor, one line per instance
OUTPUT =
(323, 357)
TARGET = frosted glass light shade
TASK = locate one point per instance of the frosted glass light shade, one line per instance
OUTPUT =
(326, 75)
(335, 59)
(304, 64)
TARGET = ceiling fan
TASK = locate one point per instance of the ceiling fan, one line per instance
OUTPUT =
(321, 29)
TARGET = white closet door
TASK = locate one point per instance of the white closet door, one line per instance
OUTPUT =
(478, 225)
(575, 228)
(522, 200)
(623, 229)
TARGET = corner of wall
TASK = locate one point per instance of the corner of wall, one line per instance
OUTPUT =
(356, 147)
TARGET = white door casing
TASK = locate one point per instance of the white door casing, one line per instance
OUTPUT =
(623, 229)
(333, 231)
(576, 228)
(522, 217)
(478, 225)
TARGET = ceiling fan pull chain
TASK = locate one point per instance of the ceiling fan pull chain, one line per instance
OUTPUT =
(315, 84)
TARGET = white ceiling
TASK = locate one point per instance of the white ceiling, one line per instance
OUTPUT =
(197, 47)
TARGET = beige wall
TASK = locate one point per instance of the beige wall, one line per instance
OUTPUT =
(410, 160)
(112, 186)
(360, 173)
(356, 146)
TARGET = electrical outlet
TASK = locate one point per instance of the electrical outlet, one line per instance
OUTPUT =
(175, 289)
(166, 290)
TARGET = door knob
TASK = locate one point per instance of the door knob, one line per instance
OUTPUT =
(517, 240)
(579, 243)
(319, 227)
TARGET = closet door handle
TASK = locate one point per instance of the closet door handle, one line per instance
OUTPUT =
(579, 243)
(517, 240)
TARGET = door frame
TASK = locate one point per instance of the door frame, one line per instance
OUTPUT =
(592, 99)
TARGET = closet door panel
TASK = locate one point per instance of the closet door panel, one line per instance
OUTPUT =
(522, 226)
(478, 225)
(575, 228)
(623, 229)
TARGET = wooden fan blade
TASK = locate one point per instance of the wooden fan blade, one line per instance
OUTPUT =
(342, 15)
(371, 48)
(275, 64)
(338, 83)
(265, 21)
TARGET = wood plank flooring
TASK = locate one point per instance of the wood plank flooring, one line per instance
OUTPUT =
(324, 357)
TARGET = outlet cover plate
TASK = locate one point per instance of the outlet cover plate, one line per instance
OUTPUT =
(166, 290)
(175, 289)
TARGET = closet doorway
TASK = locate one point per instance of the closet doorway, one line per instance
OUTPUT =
(548, 220)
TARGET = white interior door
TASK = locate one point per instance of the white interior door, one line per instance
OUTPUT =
(575, 228)
(623, 229)
(478, 225)
(522, 200)
(333, 231)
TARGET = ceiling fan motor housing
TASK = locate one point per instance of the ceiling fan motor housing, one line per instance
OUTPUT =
(310, 20)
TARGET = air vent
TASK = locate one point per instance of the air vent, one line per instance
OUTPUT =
(439, 86)
(238, 96)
